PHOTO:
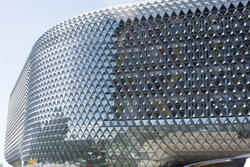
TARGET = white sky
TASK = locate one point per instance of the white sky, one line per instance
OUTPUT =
(22, 22)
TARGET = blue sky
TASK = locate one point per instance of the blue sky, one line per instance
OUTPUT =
(21, 24)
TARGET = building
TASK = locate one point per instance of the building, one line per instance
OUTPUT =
(150, 84)
(16, 117)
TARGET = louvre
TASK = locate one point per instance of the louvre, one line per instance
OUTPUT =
(147, 84)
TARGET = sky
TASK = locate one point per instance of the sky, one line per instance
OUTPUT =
(22, 22)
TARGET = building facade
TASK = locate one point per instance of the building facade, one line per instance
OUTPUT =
(149, 84)
(16, 117)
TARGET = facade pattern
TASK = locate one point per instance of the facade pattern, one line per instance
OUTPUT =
(141, 85)
(16, 116)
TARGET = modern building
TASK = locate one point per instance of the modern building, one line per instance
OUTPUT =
(154, 83)
(16, 118)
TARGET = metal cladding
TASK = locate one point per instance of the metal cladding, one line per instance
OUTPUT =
(141, 85)
(16, 116)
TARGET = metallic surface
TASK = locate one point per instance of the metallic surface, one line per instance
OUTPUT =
(141, 85)
(16, 116)
(239, 161)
